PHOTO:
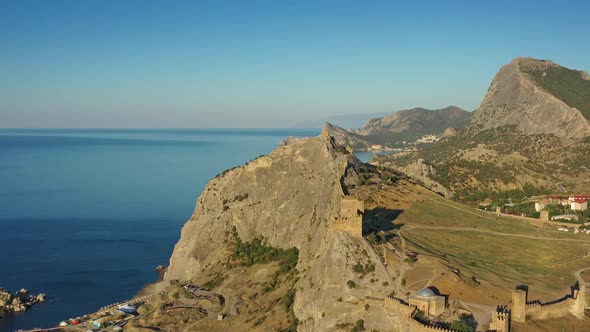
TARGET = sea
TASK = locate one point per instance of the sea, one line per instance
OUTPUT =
(86, 215)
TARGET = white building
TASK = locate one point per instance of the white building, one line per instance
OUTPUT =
(565, 217)
(428, 139)
(539, 206)
(579, 205)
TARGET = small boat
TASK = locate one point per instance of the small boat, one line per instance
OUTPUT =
(128, 309)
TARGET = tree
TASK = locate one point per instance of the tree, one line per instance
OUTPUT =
(460, 325)
(359, 326)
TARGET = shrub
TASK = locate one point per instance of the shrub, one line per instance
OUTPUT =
(359, 326)
(288, 299)
(256, 252)
(351, 284)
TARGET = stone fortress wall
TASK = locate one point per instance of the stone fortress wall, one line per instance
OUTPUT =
(573, 303)
(500, 320)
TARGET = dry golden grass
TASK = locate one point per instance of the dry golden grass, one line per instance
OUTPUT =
(496, 250)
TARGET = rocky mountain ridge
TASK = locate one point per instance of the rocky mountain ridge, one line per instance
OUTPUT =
(404, 125)
(525, 134)
(418, 120)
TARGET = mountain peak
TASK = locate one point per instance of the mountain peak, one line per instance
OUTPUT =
(537, 97)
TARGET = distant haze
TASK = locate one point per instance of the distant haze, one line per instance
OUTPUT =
(263, 64)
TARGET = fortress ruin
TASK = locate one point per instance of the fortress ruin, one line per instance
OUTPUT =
(573, 303)
(350, 216)
(409, 320)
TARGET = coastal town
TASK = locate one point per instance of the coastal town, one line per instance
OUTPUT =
(569, 213)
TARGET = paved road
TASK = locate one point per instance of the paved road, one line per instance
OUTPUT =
(578, 275)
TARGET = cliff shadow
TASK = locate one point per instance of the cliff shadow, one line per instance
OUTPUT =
(381, 220)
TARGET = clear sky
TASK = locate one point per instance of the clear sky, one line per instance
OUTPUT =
(123, 63)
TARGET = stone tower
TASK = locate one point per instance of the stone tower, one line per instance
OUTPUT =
(544, 215)
(350, 218)
(577, 308)
(500, 321)
(518, 313)
(498, 210)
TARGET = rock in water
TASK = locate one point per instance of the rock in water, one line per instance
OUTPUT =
(5, 297)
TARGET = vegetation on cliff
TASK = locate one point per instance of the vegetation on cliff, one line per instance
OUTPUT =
(255, 252)
(566, 84)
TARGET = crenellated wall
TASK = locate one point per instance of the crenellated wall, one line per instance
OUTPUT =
(574, 304)
(407, 315)
(500, 320)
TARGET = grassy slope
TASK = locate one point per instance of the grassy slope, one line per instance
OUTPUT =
(565, 84)
(502, 260)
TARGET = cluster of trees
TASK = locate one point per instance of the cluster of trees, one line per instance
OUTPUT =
(256, 252)
(503, 197)
(363, 269)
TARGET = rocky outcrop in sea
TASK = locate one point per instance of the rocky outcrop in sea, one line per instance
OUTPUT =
(21, 301)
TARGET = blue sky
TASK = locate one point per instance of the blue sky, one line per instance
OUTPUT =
(264, 64)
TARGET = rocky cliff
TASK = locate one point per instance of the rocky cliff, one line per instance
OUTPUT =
(347, 138)
(526, 93)
(290, 198)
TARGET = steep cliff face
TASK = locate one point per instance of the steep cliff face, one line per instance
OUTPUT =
(517, 97)
(282, 197)
(344, 137)
(290, 197)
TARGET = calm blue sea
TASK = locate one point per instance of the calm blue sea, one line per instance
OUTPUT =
(87, 215)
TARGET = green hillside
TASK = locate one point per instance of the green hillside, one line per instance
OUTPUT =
(565, 84)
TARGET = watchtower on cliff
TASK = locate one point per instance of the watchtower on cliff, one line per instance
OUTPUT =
(350, 218)
(350, 206)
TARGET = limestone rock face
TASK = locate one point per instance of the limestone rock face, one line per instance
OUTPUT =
(513, 98)
(279, 197)
(449, 132)
(289, 197)
(345, 137)
(419, 170)
(5, 297)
